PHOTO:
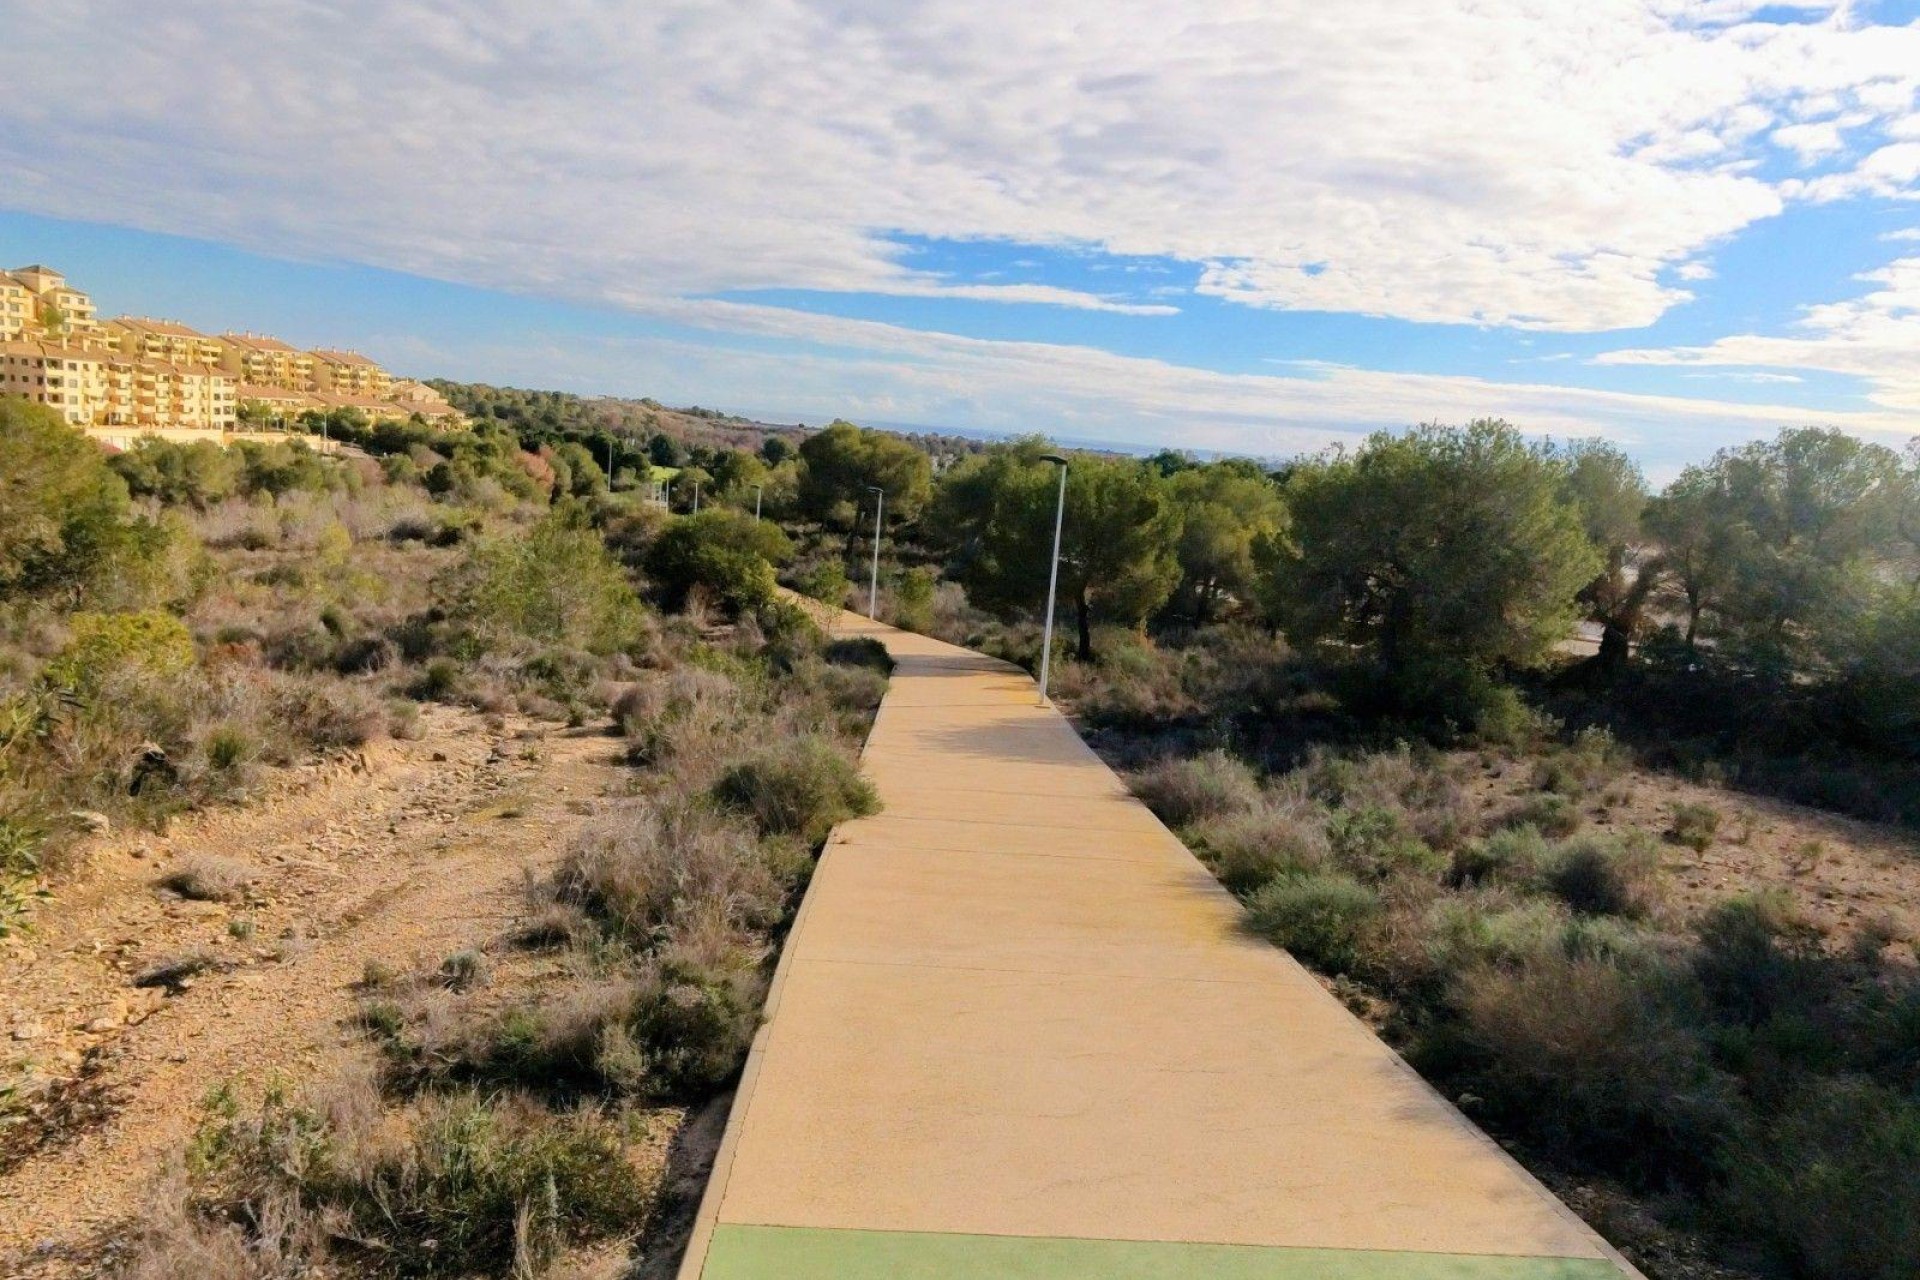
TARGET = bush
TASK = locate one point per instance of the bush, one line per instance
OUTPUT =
(209, 879)
(556, 585)
(1830, 1184)
(863, 651)
(1320, 917)
(105, 645)
(1509, 856)
(642, 868)
(1694, 825)
(826, 582)
(65, 524)
(723, 551)
(1373, 842)
(1207, 786)
(801, 788)
(1599, 875)
(1248, 849)
(469, 1184)
(1551, 815)
(1572, 1051)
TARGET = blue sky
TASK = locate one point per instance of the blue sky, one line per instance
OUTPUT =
(1252, 225)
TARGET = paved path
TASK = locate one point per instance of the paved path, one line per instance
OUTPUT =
(1018, 1032)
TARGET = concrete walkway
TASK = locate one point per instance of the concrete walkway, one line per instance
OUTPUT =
(1018, 1032)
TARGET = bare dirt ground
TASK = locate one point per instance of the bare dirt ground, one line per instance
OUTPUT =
(1851, 879)
(399, 856)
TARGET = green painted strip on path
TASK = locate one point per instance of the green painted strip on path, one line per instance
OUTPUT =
(808, 1253)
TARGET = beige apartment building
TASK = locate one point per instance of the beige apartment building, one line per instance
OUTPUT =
(348, 373)
(136, 372)
(58, 309)
(261, 361)
(17, 308)
(67, 379)
(160, 340)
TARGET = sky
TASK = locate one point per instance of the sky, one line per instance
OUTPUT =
(1257, 226)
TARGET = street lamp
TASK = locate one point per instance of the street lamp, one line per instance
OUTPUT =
(757, 491)
(873, 591)
(1053, 572)
(696, 497)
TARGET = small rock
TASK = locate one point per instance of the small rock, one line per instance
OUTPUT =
(439, 757)
(99, 1025)
(29, 1031)
(92, 822)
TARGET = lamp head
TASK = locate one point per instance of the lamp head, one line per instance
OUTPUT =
(1054, 458)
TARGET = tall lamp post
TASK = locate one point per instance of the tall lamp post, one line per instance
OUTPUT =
(1053, 573)
(873, 590)
(696, 497)
(758, 490)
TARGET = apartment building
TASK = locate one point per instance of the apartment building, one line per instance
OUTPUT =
(136, 372)
(17, 308)
(67, 379)
(348, 373)
(261, 361)
(417, 397)
(59, 310)
(160, 340)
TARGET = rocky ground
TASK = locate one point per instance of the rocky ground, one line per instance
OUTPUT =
(397, 856)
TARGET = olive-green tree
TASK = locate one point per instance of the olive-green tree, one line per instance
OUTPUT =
(841, 463)
(1119, 537)
(1225, 508)
(1442, 554)
(1610, 493)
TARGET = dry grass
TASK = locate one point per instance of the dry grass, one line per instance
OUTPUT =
(210, 879)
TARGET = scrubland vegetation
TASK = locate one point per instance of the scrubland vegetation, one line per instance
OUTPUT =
(182, 620)
(1350, 684)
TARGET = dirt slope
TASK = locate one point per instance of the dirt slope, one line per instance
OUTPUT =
(399, 856)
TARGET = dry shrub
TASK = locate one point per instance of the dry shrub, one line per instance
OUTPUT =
(207, 878)
(1274, 838)
(455, 1184)
(1694, 825)
(328, 714)
(279, 1241)
(646, 864)
(1426, 798)
(690, 718)
(1578, 1053)
(1182, 792)
(802, 788)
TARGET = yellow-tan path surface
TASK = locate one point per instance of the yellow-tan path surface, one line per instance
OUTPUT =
(1019, 1031)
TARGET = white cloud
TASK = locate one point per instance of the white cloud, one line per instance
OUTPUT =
(826, 366)
(1501, 163)
(1875, 337)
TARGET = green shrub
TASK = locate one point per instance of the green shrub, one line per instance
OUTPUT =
(1830, 1184)
(1600, 875)
(723, 551)
(105, 645)
(1374, 842)
(1509, 856)
(913, 600)
(65, 523)
(557, 584)
(228, 747)
(826, 582)
(1321, 917)
(802, 787)
(1694, 825)
(1552, 815)
(1205, 786)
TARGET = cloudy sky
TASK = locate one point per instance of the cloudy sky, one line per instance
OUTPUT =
(1255, 225)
